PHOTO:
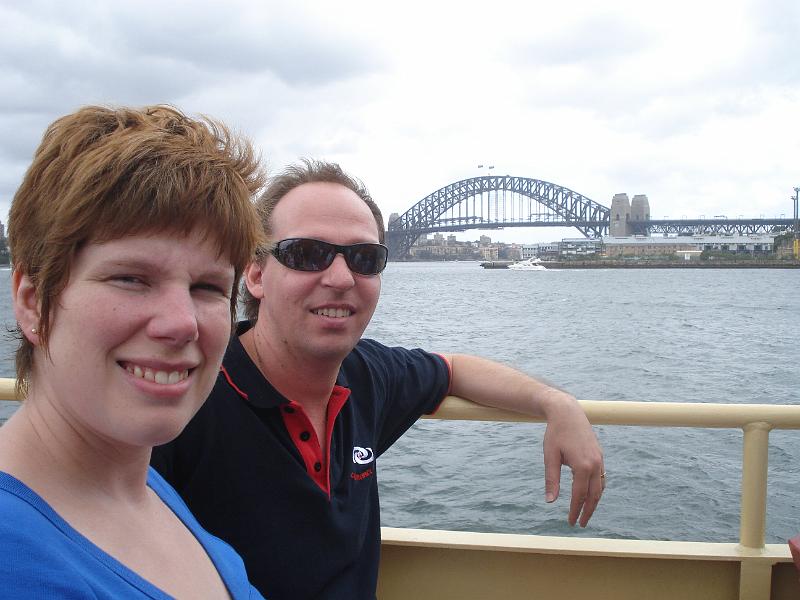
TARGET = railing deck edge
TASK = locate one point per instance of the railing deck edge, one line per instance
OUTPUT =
(538, 544)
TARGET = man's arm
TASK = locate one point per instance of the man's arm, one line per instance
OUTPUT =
(568, 440)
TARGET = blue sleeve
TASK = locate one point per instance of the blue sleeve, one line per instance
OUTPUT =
(32, 568)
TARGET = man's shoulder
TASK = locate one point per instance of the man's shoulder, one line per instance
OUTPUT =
(370, 345)
(374, 357)
(369, 348)
(372, 353)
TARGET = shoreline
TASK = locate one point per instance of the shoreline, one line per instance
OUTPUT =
(596, 264)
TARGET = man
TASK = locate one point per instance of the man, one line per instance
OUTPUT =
(280, 461)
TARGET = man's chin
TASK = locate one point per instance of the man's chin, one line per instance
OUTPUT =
(332, 350)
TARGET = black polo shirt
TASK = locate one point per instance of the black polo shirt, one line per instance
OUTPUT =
(250, 468)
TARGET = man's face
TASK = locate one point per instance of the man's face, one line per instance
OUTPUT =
(316, 315)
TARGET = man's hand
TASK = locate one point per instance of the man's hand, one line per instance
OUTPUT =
(569, 440)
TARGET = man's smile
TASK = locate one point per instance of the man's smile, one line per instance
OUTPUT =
(337, 313)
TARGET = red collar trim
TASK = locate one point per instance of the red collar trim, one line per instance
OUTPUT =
(224, 371)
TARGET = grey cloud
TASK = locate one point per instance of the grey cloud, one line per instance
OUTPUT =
(593, 42)
(298, 57)
(48, 56)
(20, 134)
(57, 56)
(591, 49)
(775, 59)
(49, 68)
(207, 39)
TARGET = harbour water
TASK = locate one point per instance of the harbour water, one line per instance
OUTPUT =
(726, 336)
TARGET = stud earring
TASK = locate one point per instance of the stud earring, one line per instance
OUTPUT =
(33, 330)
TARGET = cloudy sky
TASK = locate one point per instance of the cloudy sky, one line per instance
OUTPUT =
(694, 103)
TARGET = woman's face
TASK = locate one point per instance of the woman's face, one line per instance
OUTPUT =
(137, 337)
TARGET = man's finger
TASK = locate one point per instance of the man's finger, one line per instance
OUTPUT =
(552, 475)
(580, 492)
(596, 487)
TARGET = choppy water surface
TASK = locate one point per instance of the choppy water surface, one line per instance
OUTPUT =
(656, 335)
(662, 335)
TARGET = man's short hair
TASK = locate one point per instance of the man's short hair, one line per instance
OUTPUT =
(101, 173)
(308, 171)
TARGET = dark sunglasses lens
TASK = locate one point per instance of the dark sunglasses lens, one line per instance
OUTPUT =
(366, 259)
(306, 255)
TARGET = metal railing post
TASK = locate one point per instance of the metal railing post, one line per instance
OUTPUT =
(753, 518)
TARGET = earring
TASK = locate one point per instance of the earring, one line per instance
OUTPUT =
(33, 330)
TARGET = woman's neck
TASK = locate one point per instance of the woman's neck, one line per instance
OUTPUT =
(59, 459)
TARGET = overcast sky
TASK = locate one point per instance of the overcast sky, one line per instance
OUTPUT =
(694, 103)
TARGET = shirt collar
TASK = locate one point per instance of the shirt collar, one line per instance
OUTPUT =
(246, 378)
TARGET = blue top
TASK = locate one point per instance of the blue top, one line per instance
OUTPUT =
(42, 556)
(306, 522)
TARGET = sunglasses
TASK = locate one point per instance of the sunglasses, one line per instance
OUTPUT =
(306, 254)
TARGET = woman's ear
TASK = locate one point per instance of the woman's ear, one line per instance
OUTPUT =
(253, 279)
(26, 305)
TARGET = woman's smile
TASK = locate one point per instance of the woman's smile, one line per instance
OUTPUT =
(154, 309)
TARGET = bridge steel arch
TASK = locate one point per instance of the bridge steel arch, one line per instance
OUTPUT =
(573, 209)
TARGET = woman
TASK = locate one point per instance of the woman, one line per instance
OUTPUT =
(128, 236)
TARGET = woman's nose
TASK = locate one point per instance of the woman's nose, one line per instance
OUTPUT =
(175, 317)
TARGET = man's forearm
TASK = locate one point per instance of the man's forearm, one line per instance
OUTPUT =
(492, 384)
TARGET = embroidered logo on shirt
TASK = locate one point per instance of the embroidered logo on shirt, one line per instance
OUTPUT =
(360, 476)
(362, 456)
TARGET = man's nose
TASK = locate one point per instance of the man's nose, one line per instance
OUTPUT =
(339, 275)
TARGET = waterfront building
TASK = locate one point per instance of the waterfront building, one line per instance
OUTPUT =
(640, 245)
(5, 259)
(580, 247)
(489, 252)
(542, 250)
(510, 251)
(438, 248)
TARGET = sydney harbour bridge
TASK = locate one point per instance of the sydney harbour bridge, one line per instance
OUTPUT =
(502, 201)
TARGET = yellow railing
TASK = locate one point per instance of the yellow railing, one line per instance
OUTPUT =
(755, 420)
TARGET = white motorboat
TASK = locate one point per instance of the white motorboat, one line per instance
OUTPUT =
(529, 264)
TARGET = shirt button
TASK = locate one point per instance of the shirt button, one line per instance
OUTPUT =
(288, 410)
(317, 466)
(305, 436)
